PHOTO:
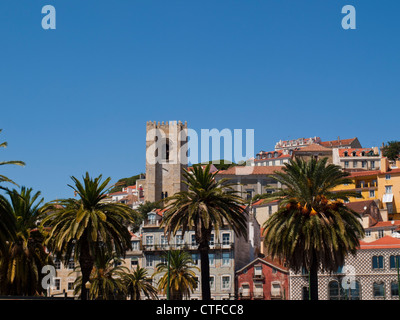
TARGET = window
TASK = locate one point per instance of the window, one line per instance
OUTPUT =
(381, 233)
(275, 290)
(372, 193)
(345, 153)
(193, 238)
(179, 240)
(387, 177)
(258, 271)
(195, 258)
(134, 261)
(71, 264)
(211, 243)
(378, 289)
(372, 164)
(211, 259)
(388, 189)
(274, 270)
(394, 289)
(355, 164)
(135, 245)
(346, 164)
(225, 259)
(57, 284)
(269, 210)
(245, 290)
(377, 262)
(393, 260)
(367, 233)
(226, 282)
(226, 239)
(363, 164)
(334, 290)
(212, 282)
(163, 241)
(70, 286)
(149, 260)
(149, 240)
(57, 264)
(258, 290)
(249, 194)
(389, 207)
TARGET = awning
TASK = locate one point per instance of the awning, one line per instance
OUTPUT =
(387, 197)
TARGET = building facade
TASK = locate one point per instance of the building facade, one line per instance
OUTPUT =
(372, 274)
(228, 253)
(262, 279)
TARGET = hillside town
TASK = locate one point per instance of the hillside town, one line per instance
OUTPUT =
(240, 266)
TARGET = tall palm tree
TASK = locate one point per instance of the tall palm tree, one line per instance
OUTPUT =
(313, 229)
(181, 275)
(2, 163)
(79, 227)
(206, 205)
(22, 262)
(106, 279)
(139, 282)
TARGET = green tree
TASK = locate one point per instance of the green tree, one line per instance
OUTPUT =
(2, 163)
(313, 229)
(106, 279)
(182, 278)
(391, 150)
(138, 283)
(79, 227)
(22, 262)
(207, 204)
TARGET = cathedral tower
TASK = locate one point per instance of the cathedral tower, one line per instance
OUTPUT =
(166, 156)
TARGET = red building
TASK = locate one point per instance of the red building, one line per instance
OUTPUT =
(262, 279)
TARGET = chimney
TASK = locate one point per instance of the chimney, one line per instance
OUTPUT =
(384, 164)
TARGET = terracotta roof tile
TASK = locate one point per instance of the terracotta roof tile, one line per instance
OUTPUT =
(386, 242)
(313, 147)
(336, 143)
(250, 170)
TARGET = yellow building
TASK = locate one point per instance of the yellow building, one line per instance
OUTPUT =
(389, 189)
(363, 182)
(382, 185)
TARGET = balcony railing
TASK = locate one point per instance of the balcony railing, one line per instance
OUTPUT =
(184, 246)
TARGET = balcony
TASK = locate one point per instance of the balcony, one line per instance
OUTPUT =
(258, 294)
(183, 246)
(258, 276)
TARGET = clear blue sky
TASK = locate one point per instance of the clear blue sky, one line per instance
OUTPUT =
(77, 98)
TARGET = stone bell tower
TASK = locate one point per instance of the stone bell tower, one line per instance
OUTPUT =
(166, 156)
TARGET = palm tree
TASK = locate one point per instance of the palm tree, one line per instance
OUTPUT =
(79, 227)
(2, 163)
(138, 282)
(106, 279)
(182, 278)
(22, 262)
(206, 205)
(313, 229)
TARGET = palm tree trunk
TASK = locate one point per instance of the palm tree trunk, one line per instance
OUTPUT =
(314, 279)
(86, 263)
(205, 270)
